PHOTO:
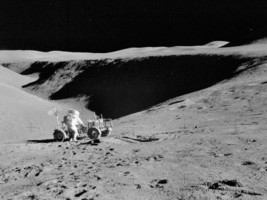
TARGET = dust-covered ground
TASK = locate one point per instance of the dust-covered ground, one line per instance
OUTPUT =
(209, 144)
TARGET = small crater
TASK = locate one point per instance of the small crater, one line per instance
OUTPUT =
(38, 173)
(158, 183)
(232, 183)
(248, 163)
(163, 181)
(220, 185)
(92, 187)
(136, 150)
(138, 186)
(80, 193)
(97, 177)
(237, 195)
(40, 183)
(126, 173)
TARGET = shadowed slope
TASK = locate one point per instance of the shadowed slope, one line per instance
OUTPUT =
(120, 87)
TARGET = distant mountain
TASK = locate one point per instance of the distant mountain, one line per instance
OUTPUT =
(118, 87)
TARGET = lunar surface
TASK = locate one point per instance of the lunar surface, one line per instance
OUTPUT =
(188, 123)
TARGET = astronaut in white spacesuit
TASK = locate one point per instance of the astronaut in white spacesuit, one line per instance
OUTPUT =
(71, 122)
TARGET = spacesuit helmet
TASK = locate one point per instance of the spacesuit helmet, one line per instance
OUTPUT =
(74, 112)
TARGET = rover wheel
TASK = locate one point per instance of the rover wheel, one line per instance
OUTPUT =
(59, 135)
(94, 133)
(106, 132)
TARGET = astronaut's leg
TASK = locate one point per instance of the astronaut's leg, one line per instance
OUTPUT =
(75, 135)
(71, 134)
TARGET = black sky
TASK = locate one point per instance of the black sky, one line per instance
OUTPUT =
(108, 25)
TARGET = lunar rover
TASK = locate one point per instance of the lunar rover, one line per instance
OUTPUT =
(99, 128)
(95, 129)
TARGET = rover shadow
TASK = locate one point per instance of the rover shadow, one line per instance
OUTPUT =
(80, 138)
(42, 141)
(92, 143)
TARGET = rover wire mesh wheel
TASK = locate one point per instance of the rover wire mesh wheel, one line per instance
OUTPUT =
(106, 132)
(59, 135)
(94, 133)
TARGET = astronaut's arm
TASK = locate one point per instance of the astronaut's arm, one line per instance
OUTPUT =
(80, 122)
